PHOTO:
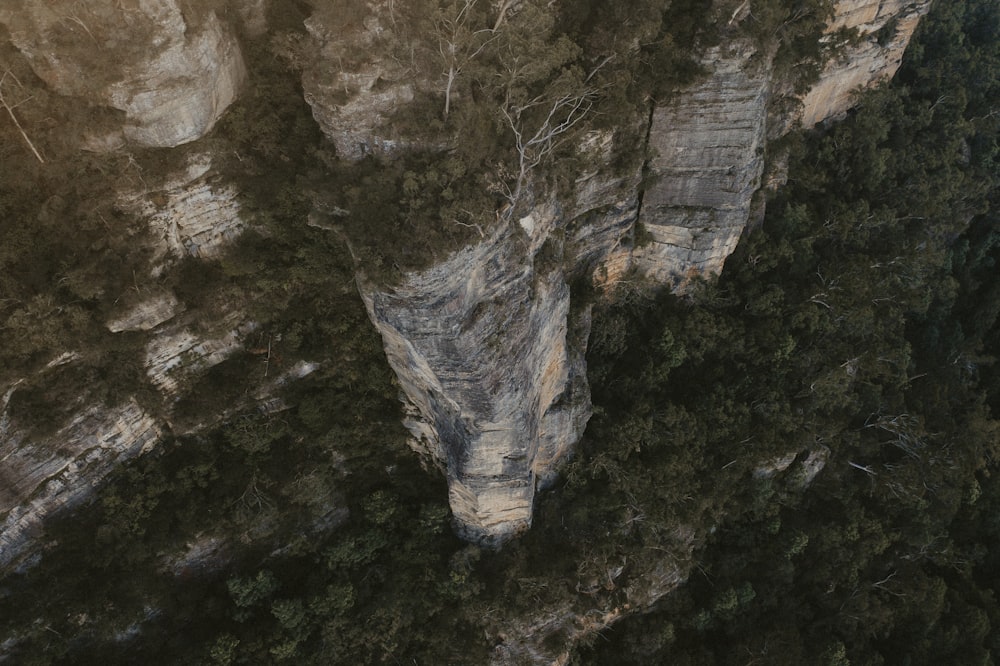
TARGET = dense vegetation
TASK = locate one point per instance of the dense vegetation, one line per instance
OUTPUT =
(858, 324)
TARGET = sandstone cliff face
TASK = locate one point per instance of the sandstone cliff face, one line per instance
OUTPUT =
(193, 213)
(884, 30)
(42, 475)
(490, 358)
(708, 147)
(488, 355)
(172, 68)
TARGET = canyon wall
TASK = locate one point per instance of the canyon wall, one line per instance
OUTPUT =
(708, 156)
(883, 30)
(483, 343)
(488, 344)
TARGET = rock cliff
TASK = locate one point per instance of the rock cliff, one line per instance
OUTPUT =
(883, 30)
(489, 347)
(44, 474)
(489, 358)
(488, 344)
(172, 68)
(708, 156)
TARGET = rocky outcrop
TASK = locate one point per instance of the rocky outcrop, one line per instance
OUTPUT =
(146, 315)
(481, 348)
(708, 156)
(884, 28)
(193, 213)
(354, 82)
(489, 349)
(39, 476)
(175, 356)
(173, 68)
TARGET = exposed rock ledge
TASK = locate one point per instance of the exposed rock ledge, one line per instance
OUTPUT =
(497, 391)
(173, 70)
(885, 28)
(39, 477)
(708, 155)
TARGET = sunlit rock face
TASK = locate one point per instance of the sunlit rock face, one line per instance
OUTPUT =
(708, 156)
(191, 213)
(884, 30)
(489, 346)
(172, 67)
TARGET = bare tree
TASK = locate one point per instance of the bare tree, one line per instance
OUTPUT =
(562, 114)
(458, 45)
(10, 110)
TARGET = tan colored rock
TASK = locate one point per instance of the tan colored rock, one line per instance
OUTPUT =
(479, 343)
(192, 214)
(708, 145)
(175, 356)
(173, 68)
(885, 28)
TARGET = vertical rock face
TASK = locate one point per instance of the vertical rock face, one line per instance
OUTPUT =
(884, 29)
(708, 147)
(173, 68)
(483, 347)
(487, 347)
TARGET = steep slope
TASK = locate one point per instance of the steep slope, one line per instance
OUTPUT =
(489, 361)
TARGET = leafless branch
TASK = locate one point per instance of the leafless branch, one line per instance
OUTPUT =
(10, 112)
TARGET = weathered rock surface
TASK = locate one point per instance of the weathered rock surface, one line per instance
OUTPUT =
(490, 353)
(885, 28)
(147, 315)
(173, 68)
(479, 343)
(41, 476)
(353, 82)
(177, 354)
(484, 344)
(193, 213)
(708, 146)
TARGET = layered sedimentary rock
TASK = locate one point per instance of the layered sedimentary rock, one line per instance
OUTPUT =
(147, 314)
(172, 68)
(884, 28)
(178, 354)
(483, 343)
(480, 345)
(489, 349)
(193, 213)
(708, 156)
(40, 475)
